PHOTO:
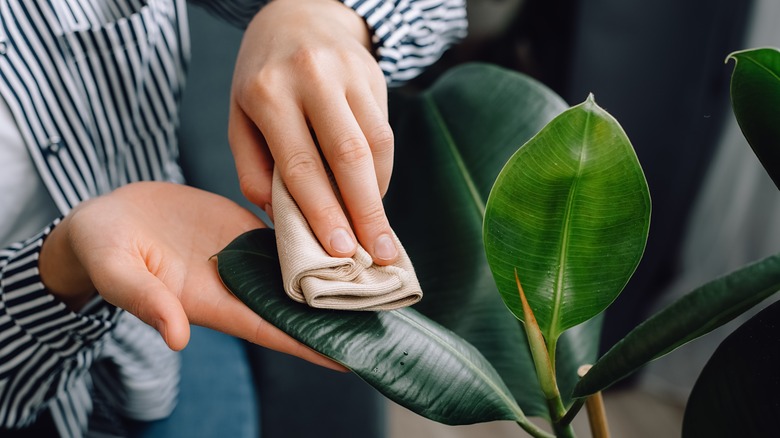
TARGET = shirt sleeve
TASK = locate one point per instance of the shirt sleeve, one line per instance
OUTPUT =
(408, 35)
(45, 348)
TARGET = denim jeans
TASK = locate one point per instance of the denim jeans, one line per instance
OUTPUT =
(217, 396)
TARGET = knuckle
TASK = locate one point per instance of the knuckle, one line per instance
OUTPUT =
(372, 217)
(382, 140)
(262, 86)
(311, 61)
(259, 87)
(300, 165)
(350, 150)
(306, 56)
(331, 215)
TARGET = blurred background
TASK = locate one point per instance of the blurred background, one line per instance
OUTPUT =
(658, 67)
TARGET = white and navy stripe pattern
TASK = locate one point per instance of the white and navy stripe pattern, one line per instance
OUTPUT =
(410, 35)
(45, 350)
(94, 86)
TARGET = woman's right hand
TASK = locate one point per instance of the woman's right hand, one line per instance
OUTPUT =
(305, 70)
(146, 248)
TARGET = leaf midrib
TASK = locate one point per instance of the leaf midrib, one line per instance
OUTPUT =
(554, 328)
(771, 72)
(479, 203)
(471, 365)
(246, 251)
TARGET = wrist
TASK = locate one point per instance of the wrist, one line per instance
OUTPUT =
(354, 23)
(60, 270)
(332, 12)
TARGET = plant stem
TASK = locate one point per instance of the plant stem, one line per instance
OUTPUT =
(555, 406)
(534, 430)
(552, 345)
(573, 411)
(545, 371)
(555, 403)
(544, 364)
(563, 430)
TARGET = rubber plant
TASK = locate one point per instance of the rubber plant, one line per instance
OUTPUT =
(524, 218)
(734, 395)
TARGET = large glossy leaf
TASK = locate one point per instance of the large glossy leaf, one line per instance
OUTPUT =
(407, 357)
(736, 393)
(755, 98)
(451, 142)
(693, 315)
(570, 211)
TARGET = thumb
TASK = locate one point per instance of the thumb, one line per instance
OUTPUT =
(138, 291)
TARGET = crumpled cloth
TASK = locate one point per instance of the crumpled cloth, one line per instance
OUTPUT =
(312, 276)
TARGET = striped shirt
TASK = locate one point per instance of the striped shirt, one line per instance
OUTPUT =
(94, 87)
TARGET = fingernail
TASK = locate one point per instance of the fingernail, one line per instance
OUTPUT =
(341, 241)
(384, 248)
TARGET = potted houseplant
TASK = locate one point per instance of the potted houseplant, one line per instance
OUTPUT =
(519, 251)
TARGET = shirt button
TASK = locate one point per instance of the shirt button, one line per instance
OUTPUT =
(53, 144)
(3, 47)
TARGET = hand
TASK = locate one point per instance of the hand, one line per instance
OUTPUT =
(304, 66)
(146, 248)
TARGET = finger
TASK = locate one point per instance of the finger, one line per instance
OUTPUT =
(370, 113)
(254, 163)
(131, 286)
(246, 324)
(350, 158)
(229, 315)
(303, 172)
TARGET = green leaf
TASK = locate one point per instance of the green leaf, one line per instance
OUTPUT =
(755, 99)
(570, 211)
(452, 140)
(695, 314)
(736, 393)
(407, 357)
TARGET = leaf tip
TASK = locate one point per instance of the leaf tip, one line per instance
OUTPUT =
(590, 104)
(528, 313)
(733, 55)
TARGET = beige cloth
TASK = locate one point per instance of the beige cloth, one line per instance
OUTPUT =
(314, 277)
